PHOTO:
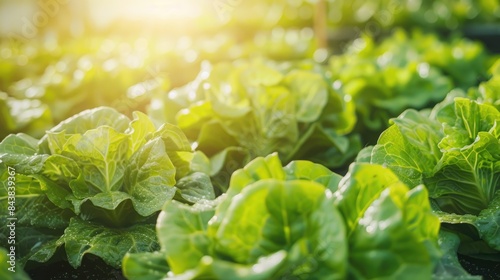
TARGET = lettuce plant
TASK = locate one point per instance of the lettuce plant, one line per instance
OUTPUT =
(234, 112)
(454, 150)
(296, 222)
(95, 183)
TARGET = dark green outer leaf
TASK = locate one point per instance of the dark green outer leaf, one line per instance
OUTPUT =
(488, 223)
(448, 267)
(194, 187)
(83, 237)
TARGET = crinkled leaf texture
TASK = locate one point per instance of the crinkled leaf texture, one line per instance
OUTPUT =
(100, 179)
(39, 221)
(294, 222)
(455, 151)
(110, 244)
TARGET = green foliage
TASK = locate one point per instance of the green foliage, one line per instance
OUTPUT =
(42, 84)
(454, 150)
(94, 184)
(259, 107)
(300, 221)
(404, 71)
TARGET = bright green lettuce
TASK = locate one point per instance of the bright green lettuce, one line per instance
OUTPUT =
(95, 182)
(455, 151)
(296, 222)
(258, 107)
(392, 232)
(448, 267)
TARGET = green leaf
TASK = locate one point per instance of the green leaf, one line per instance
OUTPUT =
(91, 119)
(362, 185)
(213, 138)
(45, 248)
(104, 180)
(150, 178)
(99, 153)
(140, 130)
(306, 170)
(292, 218)
(385, 221)
(192, 119)
(145, 266)
(173, 137)
(237, 240)
(323, 252)
(466, 180)
(21, 143)
(409, 147)
(454, 150)
(110, 244)
(264, 107)
(471, 119)
(488, 223)
(19, 151)
(195, 186)
(37, 211)
(387, 243)
(258, 169)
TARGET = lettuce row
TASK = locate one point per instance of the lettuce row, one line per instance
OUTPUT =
(454, 150)
(404, 70)
(94, 184)
(251, 108)
(300, 221)
(56, 83)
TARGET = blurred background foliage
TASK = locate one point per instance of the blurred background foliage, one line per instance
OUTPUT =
(59, 57)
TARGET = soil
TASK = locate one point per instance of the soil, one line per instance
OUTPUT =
(490, 270)
(91, 269)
